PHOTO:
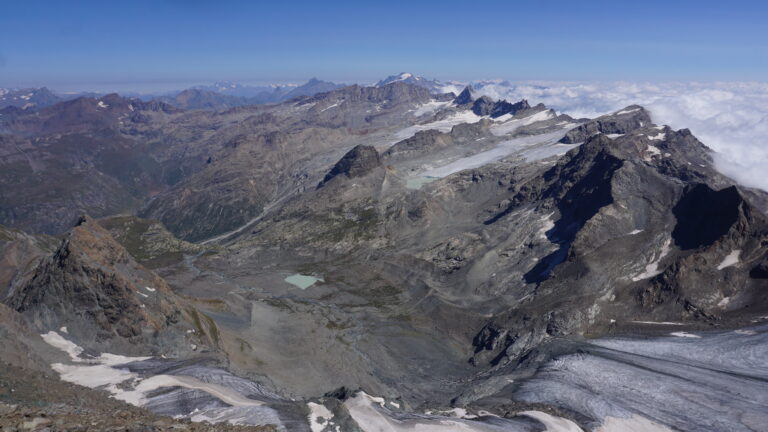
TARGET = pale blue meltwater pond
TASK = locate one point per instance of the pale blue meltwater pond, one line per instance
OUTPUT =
(302, 281)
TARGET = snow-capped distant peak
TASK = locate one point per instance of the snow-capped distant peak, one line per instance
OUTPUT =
(402, 76)
(433, 86)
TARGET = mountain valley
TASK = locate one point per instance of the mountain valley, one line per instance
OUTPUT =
(367, 258)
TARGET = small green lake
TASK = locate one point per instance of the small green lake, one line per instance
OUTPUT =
(302, 281)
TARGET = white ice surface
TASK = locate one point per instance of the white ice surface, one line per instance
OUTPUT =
(57, 341)
(329, 107)
(509, 126)
(101, 372)
(629, 111)
(370, 419)
(430, 107)
(319, 416)
(685, 335)
(503, 149)
(443, 125)
(730, 260)
(635, 423)
(552, 423)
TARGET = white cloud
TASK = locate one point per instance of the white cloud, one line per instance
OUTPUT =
(730, 118)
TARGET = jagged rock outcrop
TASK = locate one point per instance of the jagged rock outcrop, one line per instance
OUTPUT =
(94, 288)
(358, 162)
(485, 106)
(624, 121)
(429, 141)
(467, 96)
(642, 225)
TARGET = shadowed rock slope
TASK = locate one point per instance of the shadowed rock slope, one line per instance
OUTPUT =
(94, 288)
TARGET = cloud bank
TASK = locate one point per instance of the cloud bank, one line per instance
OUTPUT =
(730, 118)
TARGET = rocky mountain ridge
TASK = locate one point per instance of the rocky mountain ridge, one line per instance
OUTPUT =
(377, 237)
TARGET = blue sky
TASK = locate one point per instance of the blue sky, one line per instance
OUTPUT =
(149, 45)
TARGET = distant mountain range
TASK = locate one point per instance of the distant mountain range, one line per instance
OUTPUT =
(28, 98)
(220, 95)
(230, 95)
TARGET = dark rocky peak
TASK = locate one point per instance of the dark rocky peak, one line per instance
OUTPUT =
(93, 286)
(623, 121)
(444, 97)
(579, 186)
(81, 278)
(420, 143)
(590, 165)
(466, 96)
(465, 131)
(115, 100)
(583, 170)
(430, 141)
(485, 106)
(503, 107)
(154, 106)
(358, 162)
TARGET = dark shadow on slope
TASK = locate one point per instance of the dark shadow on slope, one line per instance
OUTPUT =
(704, 215)
(581, 201)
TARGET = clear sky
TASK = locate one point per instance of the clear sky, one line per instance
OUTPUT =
(145, 45)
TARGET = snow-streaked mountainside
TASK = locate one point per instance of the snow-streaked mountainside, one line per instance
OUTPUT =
(731, 118)
(391, 257)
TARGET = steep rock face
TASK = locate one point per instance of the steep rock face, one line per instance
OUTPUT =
(20, 252)
(92, 286)
(704, 215)
(637, 233)
(485, 106)
(358, 162)
(467, 96)
(621, 122)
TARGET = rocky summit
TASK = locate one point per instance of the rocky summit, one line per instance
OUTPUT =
(363, 258)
